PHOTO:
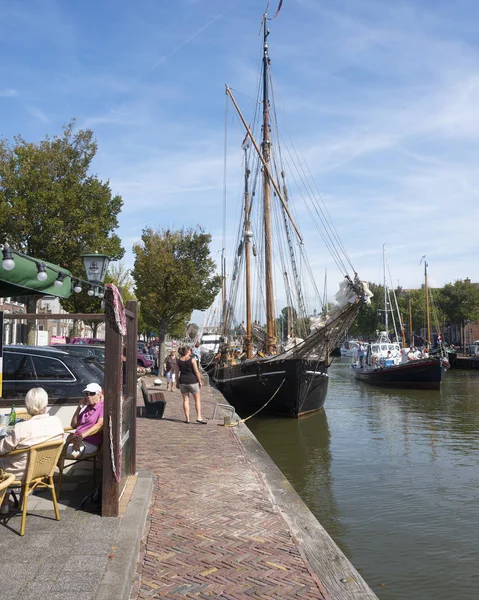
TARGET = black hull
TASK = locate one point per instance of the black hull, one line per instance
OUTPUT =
(419, 375)
(249, 385)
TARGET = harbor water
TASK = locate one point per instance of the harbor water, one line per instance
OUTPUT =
(393, 476)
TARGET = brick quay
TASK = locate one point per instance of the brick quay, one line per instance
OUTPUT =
(224, 522)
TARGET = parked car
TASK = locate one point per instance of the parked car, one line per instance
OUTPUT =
(85, 350)
(145, 360)
(98, 353)
(63, 375)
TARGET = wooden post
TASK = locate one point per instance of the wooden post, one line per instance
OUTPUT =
(112, 413)
(131, 379)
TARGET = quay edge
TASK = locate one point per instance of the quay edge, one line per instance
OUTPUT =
(330, 566)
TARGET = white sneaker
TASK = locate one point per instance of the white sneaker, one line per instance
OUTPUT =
(4, 510)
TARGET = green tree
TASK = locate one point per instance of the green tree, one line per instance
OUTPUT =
(192, 330)
(174, 275)
(51, 207)
(121, 277)
(460, 302)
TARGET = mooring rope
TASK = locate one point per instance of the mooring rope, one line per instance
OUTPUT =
(259, 410)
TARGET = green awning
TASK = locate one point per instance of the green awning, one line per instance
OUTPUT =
(22, 279)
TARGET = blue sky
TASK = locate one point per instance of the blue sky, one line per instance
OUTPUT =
(382, 97)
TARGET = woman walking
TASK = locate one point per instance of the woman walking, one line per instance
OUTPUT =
(188, 380)
(170, 368)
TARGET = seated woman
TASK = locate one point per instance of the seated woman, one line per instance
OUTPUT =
(87, 422)
(41, 428)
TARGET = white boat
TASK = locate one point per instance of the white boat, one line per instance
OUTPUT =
(210, 344)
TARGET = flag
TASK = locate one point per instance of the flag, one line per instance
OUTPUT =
(279, 8)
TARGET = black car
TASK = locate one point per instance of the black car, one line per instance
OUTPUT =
(63, 375)
(97, 353)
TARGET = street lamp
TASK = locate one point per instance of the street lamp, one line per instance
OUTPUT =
(95, 267)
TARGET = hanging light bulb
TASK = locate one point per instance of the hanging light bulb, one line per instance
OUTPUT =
(42, 272)
(7, 263)
(77, 287)
(91, 291)
(101, 293)
(59, 280)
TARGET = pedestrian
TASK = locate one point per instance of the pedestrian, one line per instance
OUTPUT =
(188, 381)
(170, 369)
(197, 353)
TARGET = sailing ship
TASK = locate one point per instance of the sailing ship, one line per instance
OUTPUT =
(255, 370)
(385, 363)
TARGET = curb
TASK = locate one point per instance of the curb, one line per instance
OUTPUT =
(334, 573)
(120, 571)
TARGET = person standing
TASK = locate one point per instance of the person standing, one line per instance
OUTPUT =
(170, 369)
(197, 353)
(188, 381)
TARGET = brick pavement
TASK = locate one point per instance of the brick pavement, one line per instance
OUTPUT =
(213, 531)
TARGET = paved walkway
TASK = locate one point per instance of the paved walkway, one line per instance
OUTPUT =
(58, 560)
(213, 529)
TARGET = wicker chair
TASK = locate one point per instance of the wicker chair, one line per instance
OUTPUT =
(154, 403)
(6, 479)
(94, 457)
(23, 414)
(41, 462)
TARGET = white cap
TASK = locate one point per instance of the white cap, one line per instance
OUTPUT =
(93, 387)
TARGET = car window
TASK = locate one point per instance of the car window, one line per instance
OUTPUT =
(18, 367)
(48, 368)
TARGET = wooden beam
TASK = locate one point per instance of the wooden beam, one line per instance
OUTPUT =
(131, 379)
(112, 422)
(56, 316)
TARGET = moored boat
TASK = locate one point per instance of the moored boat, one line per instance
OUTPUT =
(386, 364)
(279, 370)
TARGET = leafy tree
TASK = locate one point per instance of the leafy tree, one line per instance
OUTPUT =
(460, 302)
(174, 275)
(192, 330)
(121, 277)
(52, 208)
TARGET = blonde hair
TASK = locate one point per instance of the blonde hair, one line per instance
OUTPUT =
(36, 401)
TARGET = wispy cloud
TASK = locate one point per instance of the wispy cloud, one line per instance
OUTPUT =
(8, 93)
(37, 112)
(381, 98)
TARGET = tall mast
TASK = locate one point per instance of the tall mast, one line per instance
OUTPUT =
(248, 234)
(386, 322)
(428, 320)
(223, 292)
(411, 336)
(268, 244)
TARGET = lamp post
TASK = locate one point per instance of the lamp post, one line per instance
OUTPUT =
(96, 266)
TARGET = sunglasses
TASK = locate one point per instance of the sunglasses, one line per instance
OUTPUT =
(86, 394)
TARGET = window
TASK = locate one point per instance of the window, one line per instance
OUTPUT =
(53, 369)
(18, 367)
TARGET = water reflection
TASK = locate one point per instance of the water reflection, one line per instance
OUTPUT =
(393, 476)
(302, 450)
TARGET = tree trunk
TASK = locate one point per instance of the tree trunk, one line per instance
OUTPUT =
(161, 346)
(94, 328)
(32, 325)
